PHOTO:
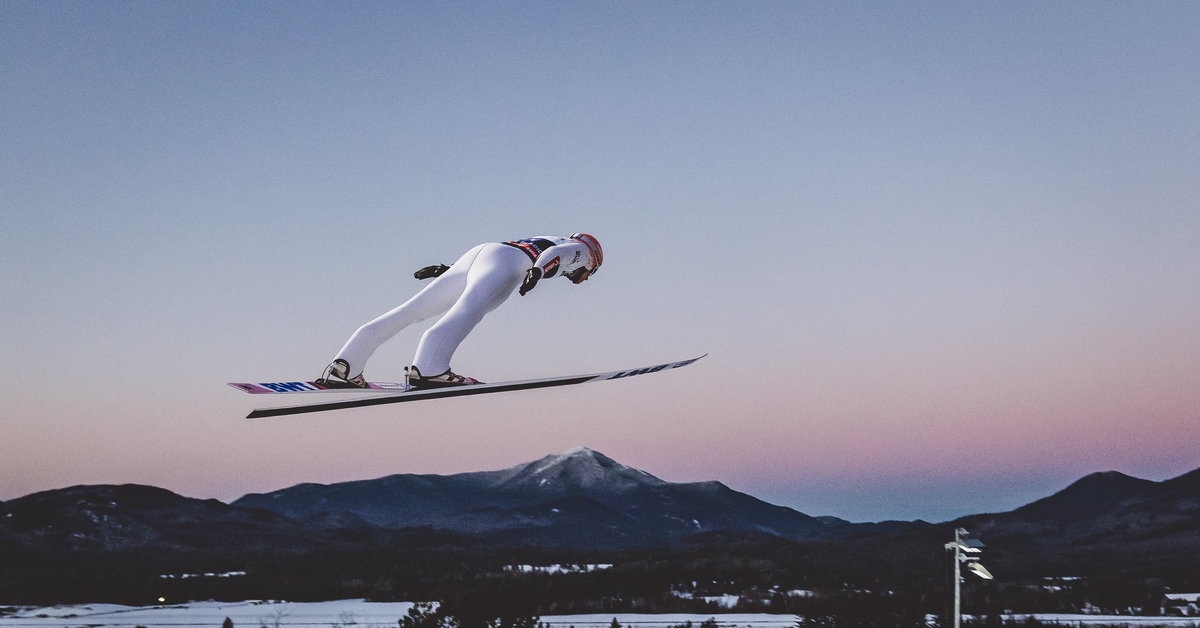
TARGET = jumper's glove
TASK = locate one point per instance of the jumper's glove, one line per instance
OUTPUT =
(431, 271)
(531, 279)
(579, 275)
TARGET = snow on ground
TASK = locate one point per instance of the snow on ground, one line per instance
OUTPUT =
(763, 620)
(724, 601)
(559, 569)
(362, 614)
(213, 614)
(1124, 621)
(338, 613)
(728, 620)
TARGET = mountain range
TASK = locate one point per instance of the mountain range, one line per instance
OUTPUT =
(1102, 521)
(578, 498)
(581, 500)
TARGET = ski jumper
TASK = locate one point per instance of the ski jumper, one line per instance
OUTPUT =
(476, 284)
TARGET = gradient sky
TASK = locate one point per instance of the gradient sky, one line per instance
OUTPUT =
(944, 257)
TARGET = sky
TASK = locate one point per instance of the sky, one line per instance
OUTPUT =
(942, 256)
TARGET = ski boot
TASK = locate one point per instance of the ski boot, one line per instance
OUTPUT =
(336, 375)
(445, 380)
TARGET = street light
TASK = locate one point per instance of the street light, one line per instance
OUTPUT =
(966, 554)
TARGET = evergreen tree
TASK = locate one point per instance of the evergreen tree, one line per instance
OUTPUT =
(425, 615)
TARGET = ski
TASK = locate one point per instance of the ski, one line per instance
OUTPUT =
(289, 388)
(462, 391)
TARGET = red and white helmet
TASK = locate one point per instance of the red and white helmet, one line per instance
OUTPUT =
(593, 246)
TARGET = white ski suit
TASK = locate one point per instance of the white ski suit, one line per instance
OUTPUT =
(476, 284)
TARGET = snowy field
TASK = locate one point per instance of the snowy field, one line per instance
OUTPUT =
(342, 613)
(1124, 621)
(358, 613)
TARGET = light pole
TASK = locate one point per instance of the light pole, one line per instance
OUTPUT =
(966, 553)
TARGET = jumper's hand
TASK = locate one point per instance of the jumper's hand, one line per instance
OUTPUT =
(431, 271)
(531, 279)
(579, 275)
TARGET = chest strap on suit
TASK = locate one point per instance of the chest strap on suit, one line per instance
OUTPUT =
(532, 248)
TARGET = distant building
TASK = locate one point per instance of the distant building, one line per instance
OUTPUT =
(1181, 604)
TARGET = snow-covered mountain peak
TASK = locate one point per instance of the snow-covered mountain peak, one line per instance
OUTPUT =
(577, 456)
(578, 468)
